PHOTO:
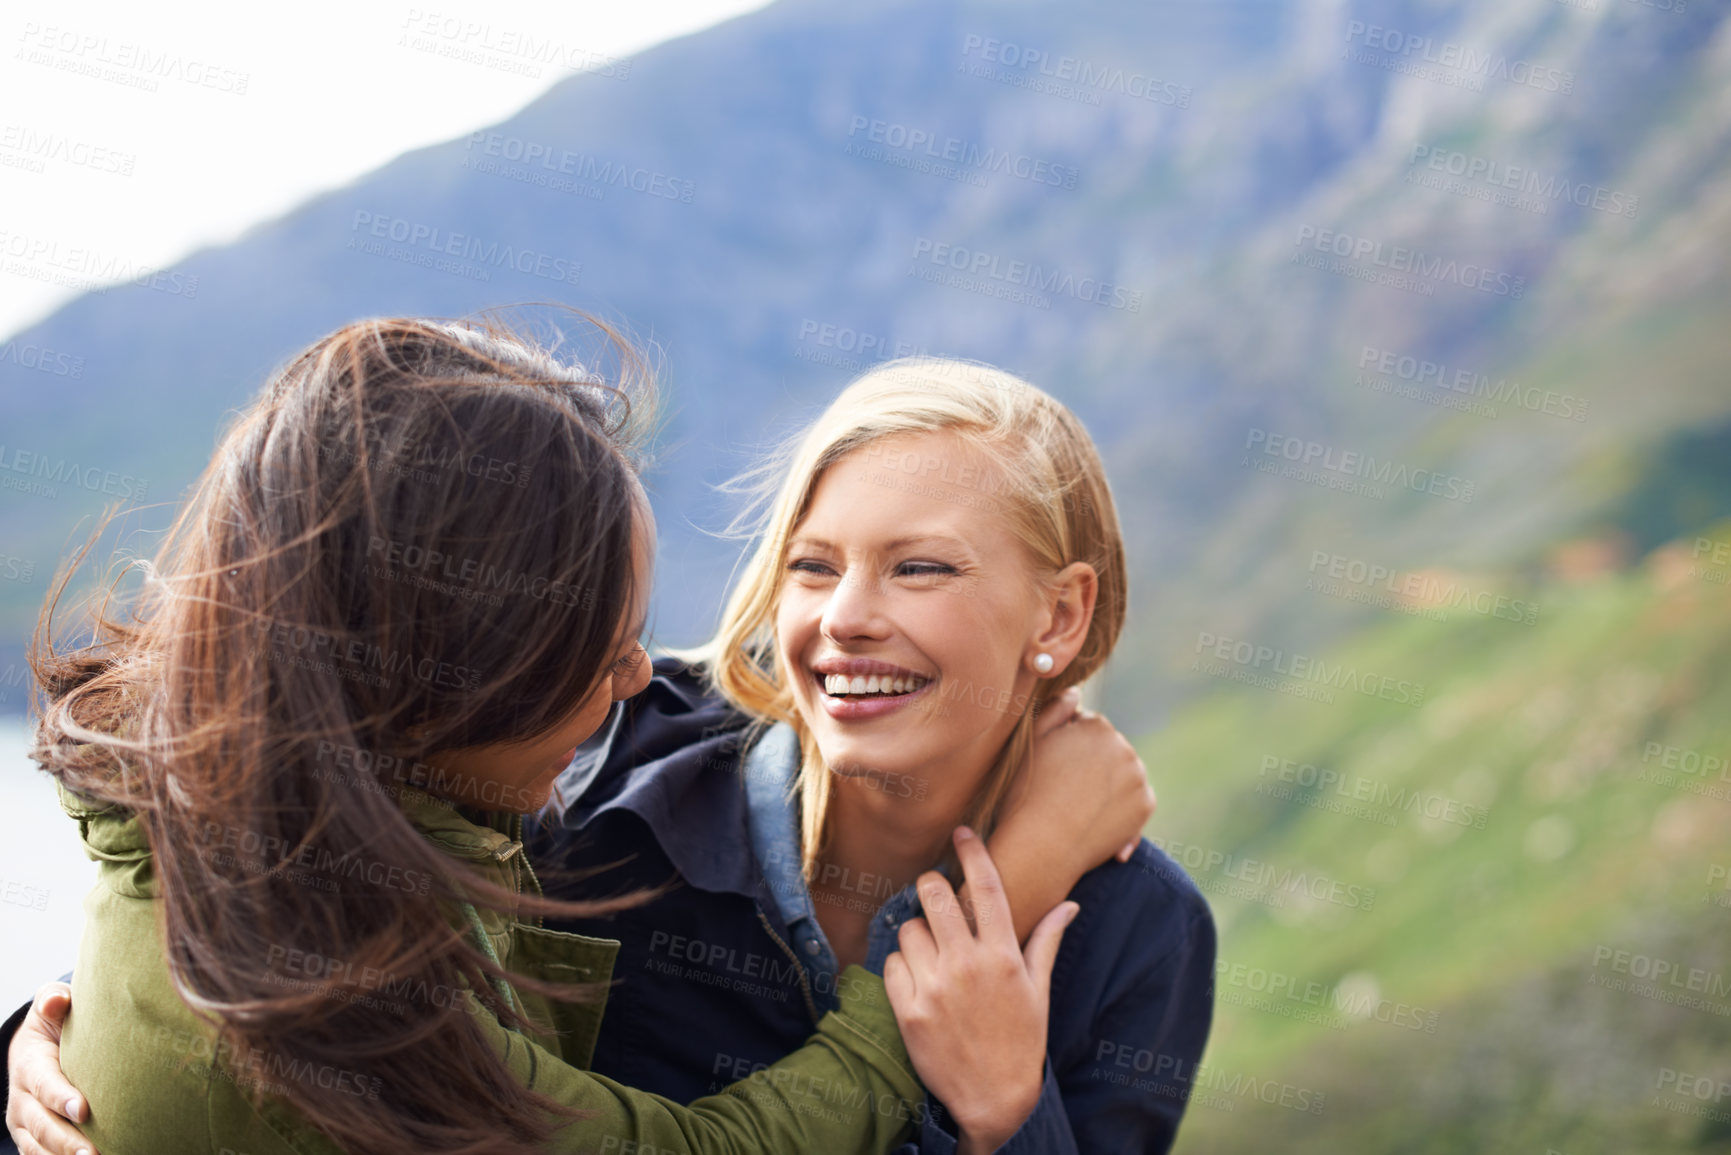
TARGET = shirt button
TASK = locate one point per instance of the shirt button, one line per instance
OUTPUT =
(811, 946)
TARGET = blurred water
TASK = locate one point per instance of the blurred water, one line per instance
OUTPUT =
(43, 875)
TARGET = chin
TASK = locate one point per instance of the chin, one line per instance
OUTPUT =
(848, 758)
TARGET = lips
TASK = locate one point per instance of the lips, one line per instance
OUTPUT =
(860, 689)
(862, 677)
(840, 685)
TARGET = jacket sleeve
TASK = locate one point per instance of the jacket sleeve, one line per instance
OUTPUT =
(850, 1089)
(1046, 1130)
(1127, 1091)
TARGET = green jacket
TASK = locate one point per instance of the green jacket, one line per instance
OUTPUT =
(157, 1081)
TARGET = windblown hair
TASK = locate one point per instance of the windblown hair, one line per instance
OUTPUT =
(417, 539)
(1048, 484)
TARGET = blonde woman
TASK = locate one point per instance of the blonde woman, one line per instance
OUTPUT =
(201, 746)
(940, 559)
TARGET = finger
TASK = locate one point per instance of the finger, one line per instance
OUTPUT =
(899, 982)
(36, 1066)
(1042, 950)
(943, 911)
(46, 1131)
(52, 1002)
(1129, 849)
(1058, 711)
(986, 890)
(920, 948)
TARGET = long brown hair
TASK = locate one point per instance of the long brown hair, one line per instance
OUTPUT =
(417, 539)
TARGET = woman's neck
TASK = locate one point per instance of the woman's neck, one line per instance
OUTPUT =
(894, 839)
(877, 842)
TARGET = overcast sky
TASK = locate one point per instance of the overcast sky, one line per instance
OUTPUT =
(132, 133)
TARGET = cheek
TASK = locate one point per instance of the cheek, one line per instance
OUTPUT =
(796, 623)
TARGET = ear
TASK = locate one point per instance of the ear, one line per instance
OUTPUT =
(1069, 612)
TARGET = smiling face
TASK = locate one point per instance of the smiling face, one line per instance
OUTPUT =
(526, 770)
(908, 615)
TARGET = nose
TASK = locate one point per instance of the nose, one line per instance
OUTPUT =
(854, 609)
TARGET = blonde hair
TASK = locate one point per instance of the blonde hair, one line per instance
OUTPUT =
(1049, 485)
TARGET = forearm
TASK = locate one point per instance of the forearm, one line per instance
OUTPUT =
(850, 1089)
(1039, 868)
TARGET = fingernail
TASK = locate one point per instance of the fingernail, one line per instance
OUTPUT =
(963, 834)
(72, 1113)
(1075, 909)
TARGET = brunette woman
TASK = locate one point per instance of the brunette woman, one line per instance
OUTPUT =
(423, 552)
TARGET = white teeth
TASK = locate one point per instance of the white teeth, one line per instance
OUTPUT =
(840, 685)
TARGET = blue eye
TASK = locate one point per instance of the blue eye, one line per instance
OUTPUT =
(925, 568)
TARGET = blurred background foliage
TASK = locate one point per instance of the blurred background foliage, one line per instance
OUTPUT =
(1447, 993)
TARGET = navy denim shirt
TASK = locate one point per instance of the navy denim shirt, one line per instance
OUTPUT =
(725, 970)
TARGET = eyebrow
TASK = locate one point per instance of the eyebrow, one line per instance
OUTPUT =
(897, 543)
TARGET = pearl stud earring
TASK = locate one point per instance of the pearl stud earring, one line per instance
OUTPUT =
(1043, 663)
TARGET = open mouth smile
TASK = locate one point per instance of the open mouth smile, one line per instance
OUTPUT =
(861, 688)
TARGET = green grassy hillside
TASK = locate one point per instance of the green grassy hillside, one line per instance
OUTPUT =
(1422, 905)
